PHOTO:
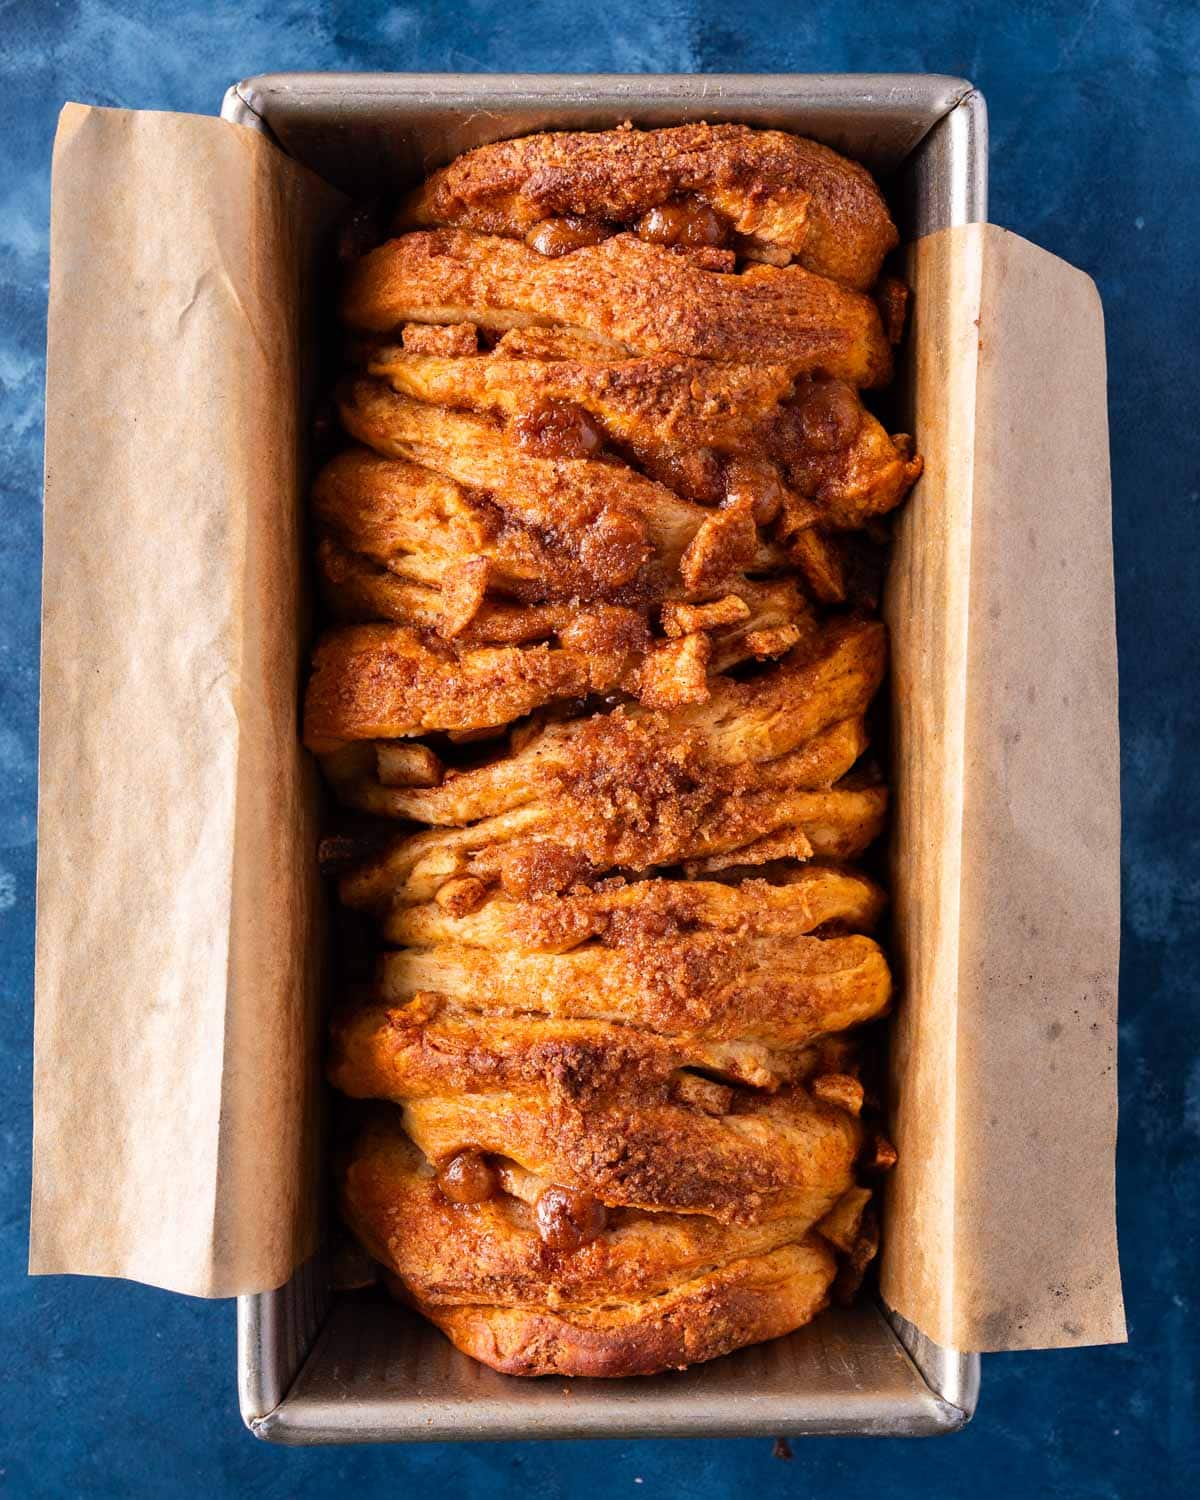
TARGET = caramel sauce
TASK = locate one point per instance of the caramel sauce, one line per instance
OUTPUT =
(555, 237)
(827, 416)
(558, 429)
(681, 223)
(567, 1219)
(468, 1178)
(756, 484)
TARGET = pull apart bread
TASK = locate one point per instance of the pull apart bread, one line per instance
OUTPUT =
(599, 676)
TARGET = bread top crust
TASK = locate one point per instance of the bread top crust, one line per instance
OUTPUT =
(780, 192)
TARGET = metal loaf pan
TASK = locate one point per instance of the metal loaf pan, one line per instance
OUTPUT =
(320, 1367)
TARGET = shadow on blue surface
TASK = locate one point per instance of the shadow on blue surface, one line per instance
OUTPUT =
(116, 1390)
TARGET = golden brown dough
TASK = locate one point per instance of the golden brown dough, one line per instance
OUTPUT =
(582, 497)
(755, 773)
(400, 543)
(793, 902)
(377, 681)
(782, 193)
(546, 847)
(650, 1292)
(638, 298)
(780, 992)
(625, 1142)
(762, 619)
(417, 523)
(660, 398)
(814, 437)
(654, 763)
(392, 681)
(610, 457)
(744, 1303)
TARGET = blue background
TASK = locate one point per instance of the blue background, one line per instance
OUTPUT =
(117, 1390)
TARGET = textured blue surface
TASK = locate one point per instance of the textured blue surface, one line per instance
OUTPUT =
(116, 1390)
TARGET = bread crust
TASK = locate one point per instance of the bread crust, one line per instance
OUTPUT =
(654, 1291)
(602, 564)
(785, 192)
(627, 295)
(701, 1320)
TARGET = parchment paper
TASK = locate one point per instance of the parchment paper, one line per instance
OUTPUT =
(1006, 842)
(177, 953)
(175, 947)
